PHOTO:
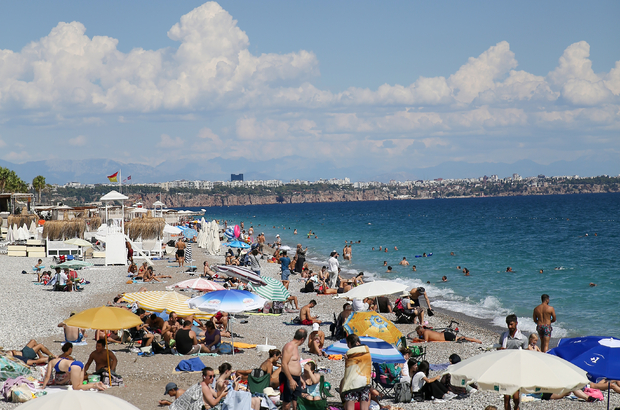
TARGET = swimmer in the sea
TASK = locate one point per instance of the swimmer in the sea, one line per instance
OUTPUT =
(395, 248)
(389, 270)
(414, 268)
(458, 267)
(444, 278)
(540, 271)
(509, 269)
(466, 271)
(592, 284)
(385, 250)
(451, 253)
(424, 255)
(380, 248)
(384, 263)
(373, 248)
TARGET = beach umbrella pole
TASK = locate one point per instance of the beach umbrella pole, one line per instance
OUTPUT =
(232, 335)
(107, 353)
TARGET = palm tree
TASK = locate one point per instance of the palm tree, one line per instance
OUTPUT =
(10, 182)
(38, 183)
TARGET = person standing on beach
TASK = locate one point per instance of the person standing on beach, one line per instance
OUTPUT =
(512, 339)
(285, 262)
(301, 258)
(180, 245)
(334, 266)
(290, 376)
(543, 316)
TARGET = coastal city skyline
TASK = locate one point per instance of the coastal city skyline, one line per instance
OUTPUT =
(358, 90)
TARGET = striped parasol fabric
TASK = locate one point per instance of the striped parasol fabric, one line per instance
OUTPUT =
(380, 350)
(158, 301)
(198, 284)
(274, 290)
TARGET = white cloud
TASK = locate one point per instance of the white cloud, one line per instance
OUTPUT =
(166, 141)
(17, 157)
(78, 141)
(2, 143)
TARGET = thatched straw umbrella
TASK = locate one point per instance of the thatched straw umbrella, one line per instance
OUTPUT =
(145, 228)
(21, 220)
(60, 230)
(93, 223)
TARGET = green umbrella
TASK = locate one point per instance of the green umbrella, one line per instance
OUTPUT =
(274, 290)
(74, 264)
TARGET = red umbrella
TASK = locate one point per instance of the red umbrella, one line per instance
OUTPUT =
(199, 284)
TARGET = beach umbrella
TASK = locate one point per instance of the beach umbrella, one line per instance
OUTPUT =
(9, 235)
(190, 233)
(164, 300)
(374, 325)
(274, 290)
(511, 370)
(172, 230)
(104, 318)
(229, 301)
(77, 400)
(374, 289)
(199, 284)
(599, 356)
(380, 350)
(79, 242)
(238, 244)
(74, 264)
(241, 273)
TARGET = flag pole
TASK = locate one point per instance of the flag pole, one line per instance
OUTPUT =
(120, 178)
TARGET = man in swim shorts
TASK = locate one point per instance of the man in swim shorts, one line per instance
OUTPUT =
(180, 245)
(31, 353)
(304, 314)
(543, 316)
(100, 357)
(290, 376)
(72, 334)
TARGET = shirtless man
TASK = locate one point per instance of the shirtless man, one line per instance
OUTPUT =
(290, 376)
(404, 262)
(543, 316)
(173, 391)
(427, 335)
(72, 334)
(210, 397)
(32, 353)
(316, 340)
(100, 357)
(180, 245)
(305, 316)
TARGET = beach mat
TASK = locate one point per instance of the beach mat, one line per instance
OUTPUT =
(82, 343)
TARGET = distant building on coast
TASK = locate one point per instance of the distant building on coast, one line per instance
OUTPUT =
(236, 177)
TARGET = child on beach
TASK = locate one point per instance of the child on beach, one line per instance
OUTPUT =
(533, 341)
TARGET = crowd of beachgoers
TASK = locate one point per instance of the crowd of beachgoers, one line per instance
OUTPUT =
(33, 323)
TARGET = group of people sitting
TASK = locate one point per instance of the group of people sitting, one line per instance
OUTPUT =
(144, 273)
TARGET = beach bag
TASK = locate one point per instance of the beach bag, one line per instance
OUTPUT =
(399, 304)
(402, 392)
(116, 379)
(21, 394)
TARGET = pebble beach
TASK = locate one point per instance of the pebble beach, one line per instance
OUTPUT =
(32, 311)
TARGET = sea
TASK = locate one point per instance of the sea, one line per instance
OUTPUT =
(573, 239)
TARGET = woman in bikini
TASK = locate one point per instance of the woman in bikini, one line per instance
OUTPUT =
(69, 372)
(313, 388)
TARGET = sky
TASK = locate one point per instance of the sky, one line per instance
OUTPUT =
(353, 85)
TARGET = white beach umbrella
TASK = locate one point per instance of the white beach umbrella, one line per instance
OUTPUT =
(9, 235)
(217, 247)
(507, 371)
(77, 400)
(373, 289)
(33, 229)
(172, 230)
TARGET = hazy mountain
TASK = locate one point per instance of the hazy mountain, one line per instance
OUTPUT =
(218, 169)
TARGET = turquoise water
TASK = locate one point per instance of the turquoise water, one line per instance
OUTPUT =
(486, 235)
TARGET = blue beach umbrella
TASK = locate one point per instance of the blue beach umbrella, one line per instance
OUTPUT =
(599, 356)
(230, 301)
(380, 350)
(238, 244)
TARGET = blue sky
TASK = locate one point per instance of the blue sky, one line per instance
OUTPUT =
(386, 85)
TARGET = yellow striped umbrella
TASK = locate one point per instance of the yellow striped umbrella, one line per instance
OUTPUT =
(158, 301)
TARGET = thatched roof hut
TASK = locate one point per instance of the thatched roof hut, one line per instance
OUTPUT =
(93, 223)
(60, 230)
(145, 228)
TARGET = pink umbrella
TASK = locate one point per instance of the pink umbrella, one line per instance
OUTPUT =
(199, 284)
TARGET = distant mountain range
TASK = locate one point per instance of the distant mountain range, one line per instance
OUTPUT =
(92, 171)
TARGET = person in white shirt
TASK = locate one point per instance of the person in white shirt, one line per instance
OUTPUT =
(333, 269)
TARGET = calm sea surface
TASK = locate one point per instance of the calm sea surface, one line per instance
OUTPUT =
(575, 239)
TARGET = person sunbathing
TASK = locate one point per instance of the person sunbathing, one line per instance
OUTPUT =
(107, 334)
(149, 276)
(207, 272)
(311, 379)
(69, 372)
(133, 269)
(427, 335)
(72, 334)
(31, 354)
(316, 340)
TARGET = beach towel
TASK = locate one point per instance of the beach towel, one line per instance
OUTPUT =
(241, 345)
(237, 400)
(438, 367)
(358, 368)
(190, 365)
(190, 400)
(82, 343)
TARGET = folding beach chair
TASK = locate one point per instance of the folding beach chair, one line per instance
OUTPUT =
(416, 352)
(383, 382)
(258, 379)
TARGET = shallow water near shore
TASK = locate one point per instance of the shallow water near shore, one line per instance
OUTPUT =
(573, 238)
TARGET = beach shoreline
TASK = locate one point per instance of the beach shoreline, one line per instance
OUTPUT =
(145, 376)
